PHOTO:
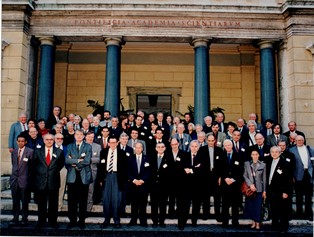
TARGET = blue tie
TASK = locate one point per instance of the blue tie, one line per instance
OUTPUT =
(229, 157)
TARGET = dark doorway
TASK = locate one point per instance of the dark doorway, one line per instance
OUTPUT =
(154, 103)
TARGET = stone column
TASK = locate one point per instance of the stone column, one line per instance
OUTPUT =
(201, 79)
(268, 82)
(46, 77)
(112, 85)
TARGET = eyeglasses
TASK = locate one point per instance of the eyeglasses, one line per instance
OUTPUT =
(59, 138)
(48, 139)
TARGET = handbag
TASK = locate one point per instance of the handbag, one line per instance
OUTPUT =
(246, 190)
(265, 211)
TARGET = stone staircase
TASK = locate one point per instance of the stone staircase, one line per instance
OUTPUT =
(95, 218)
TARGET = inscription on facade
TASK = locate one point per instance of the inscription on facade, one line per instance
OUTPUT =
(156, 23)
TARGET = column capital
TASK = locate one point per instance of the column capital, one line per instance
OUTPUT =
(46, 40)
(114, 40)
(198, 42)
(311, 48)
(264, 44)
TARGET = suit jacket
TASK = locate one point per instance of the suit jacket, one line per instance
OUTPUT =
(212, 175)
(121, 167)
(72, 159)
(115, 132)
(220, 138)
(264, 152)
(140, 141)
(99, 140)
(280, 181)
(151, 146)
(242, 153)
(96, 149)
(299, 167)
(97, 131)
(143, 131)
(184, 143)
(161, 175)
(177, 170)
(34, 143)
(144, 174)
(51, 121)
(255, 175)
(127, 150)
(271, 140)
(233, 170)
(47, 176)
(21, 171)
(15, 130)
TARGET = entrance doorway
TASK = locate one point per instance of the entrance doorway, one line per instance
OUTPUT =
(154, 103)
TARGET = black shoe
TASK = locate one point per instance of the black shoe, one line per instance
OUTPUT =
(117, 226)
(104, 225)
(132, 223)
(54, 225)
(224, 224)
(71, 225)
(82, 225)
(236, 225)
(40, 225)
(144, 225)
(181, 227)
(154, 225)
(162, 225)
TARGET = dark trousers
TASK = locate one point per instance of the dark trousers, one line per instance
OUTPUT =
(279, 210)
(77, 198)
(138, 198)
(231, 197)
(50, 195)
(304, 188)
(184, 203)
(158, 197)
(19, 195)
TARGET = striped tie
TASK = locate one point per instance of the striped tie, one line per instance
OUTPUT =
(110, 169)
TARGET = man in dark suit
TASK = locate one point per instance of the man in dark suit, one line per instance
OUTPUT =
(141, 128)
(277, 189)
(15, 130)
(241, 127)
(231, 178)
(54, 117)
(207, 128)
(103, 140)
(134, 139)
(112, 173)
(34, 141)
(152, 141)
(212, 156)
(293, 131)
(268, 128)
(47, 163)
(163, 125)
(79, 177)
(192, 191)
(219, 136)
(115, 130)
(261, 147)
(161, 168)
(177, 172)
(21, 158)
(220, 118)
(239, 146)
(139, 172)
(303, 176)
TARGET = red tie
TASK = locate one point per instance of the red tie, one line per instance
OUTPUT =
(19, 157)
(48, 157)
(24, 126)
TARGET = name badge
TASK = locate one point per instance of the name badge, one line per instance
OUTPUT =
(267, 154)
(95, 153)
(146, 164)
(54, 155)
(25, 159)
(236, 162)
(217, 157)
(219, 143)
(150, 137)
(287, 159)
(99, 137)
(83, 154)
(103, 161)
(186, 143)
(165, 166)
(142, 133)
(242, 149)
(38, 146)
(279, 171)
(162, 128)
(178, 159)
(145, 127)
(127, 154)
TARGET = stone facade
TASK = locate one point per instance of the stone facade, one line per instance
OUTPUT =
(157, 55)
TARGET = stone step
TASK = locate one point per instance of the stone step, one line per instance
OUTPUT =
(5, 183)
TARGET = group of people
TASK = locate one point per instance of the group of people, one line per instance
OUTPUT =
(122, 161)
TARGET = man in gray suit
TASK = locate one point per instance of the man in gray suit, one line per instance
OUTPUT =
(303, 176)
(16, 130)
(47, 163)
(183, 138)
(134, 139)
(96, 148)
(276, 136)
(19, 180)
(78, 179)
